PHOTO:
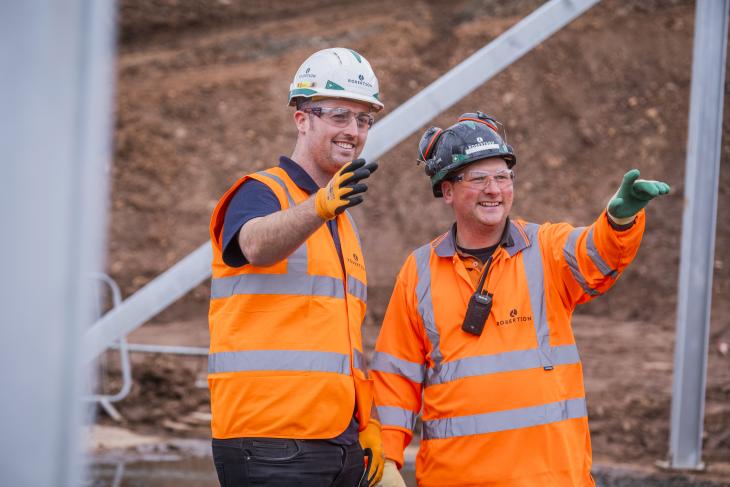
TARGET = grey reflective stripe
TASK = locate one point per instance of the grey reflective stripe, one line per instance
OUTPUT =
(596, 257)
(501, 362)
(569, 251)
(385, 362)
(281, 183)
(425, 303)
(295, 284)
(291, 360)
(357, 288)
(354, 227)
(532, 262)
(358, 361)
(394, 416)
(297, 261)
(479, 424)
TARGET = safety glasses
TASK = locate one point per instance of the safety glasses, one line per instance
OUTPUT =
(480, 179)
(342, 117)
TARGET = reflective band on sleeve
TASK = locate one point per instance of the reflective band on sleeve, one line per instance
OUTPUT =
(385, 362)
(569, 251)
(479, 424)
(425, 303)
(291, 360)
(358, 361)
(293, 284)
(596, 257)
(357, 288)
(395, 416)
(501, 362)
(532, 262)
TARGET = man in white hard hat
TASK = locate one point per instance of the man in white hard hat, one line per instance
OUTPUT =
(290, 398)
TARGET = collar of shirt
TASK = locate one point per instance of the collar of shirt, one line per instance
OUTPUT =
(300, 177)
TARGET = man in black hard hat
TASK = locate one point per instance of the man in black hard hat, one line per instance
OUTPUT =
(477, 337)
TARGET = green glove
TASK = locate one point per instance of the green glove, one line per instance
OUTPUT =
(632, 196)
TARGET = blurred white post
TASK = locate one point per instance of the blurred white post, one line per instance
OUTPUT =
(698, 234)
(56, 78)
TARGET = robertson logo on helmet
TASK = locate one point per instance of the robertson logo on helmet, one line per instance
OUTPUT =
(471, 149)
(359, 82)
(307, 74)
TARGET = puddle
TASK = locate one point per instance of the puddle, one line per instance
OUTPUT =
(179, 472)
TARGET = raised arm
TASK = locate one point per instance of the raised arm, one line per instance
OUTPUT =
(271, 238)
(589, 260)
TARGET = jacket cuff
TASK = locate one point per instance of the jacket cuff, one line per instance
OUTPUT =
(394, 443)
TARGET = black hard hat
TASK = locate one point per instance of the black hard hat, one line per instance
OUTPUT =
(473, 137)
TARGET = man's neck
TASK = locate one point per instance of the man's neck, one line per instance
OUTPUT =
(306, 163)
(484, 236)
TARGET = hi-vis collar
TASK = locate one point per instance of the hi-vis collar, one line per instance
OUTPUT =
(513, 240)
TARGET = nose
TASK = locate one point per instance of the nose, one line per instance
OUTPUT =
(351, 128)
(491, 185)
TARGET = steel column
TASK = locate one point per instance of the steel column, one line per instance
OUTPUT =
(698, 234)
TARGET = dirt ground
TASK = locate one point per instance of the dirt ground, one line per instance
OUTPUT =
(201, 100)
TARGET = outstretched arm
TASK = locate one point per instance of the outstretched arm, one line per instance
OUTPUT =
(633, 195)
(269, 239)
(589, 260)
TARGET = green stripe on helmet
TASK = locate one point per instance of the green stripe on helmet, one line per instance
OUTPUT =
(357, 56)
(332, 86)
(302, 92)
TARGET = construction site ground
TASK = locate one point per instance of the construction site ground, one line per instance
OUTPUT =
(201, 100)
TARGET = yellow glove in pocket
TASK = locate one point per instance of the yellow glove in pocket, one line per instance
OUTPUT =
(391, 476)
(370, 439)
(344, 189)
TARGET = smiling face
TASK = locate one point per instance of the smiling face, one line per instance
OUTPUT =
(324, 148)
(480, 211)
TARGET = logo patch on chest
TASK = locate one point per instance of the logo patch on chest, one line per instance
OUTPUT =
(514, 318)
(355, 261)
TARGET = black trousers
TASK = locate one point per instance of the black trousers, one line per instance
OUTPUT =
(276, 462)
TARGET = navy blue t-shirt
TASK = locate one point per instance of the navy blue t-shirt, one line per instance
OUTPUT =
(254, 199)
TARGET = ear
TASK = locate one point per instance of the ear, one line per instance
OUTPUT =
(447, 188)
(301, 120)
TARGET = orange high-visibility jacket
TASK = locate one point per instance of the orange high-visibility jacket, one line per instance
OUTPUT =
(285, 346)
(506, 408)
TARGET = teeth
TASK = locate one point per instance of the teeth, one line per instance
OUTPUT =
(344, 145)
(489, 204)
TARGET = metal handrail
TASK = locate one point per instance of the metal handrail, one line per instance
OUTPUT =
(106, 399)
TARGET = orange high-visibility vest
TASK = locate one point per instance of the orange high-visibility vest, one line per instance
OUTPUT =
(285, 346)
(506, 408)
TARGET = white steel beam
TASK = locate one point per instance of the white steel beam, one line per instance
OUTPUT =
(471, 73)
(698, 234)
(56, 79)
(155, 296)
(386, 134)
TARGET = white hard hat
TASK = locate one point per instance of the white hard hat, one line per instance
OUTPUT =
(336, 73)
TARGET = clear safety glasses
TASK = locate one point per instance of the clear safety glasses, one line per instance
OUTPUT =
(480, 179)
(341, 117)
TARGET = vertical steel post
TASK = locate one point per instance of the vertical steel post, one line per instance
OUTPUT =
(56, 78)
(698, 234)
